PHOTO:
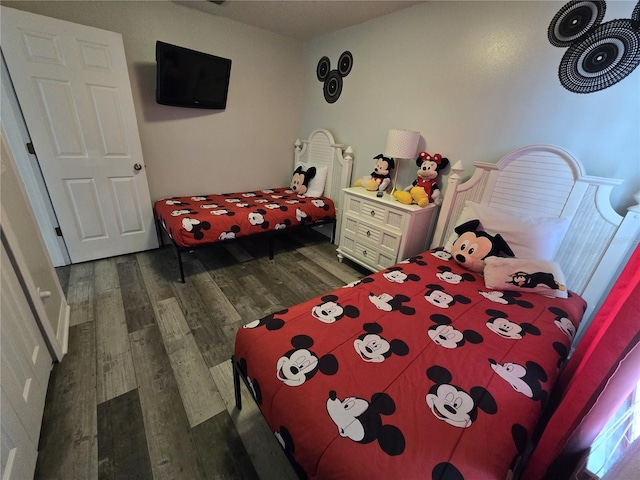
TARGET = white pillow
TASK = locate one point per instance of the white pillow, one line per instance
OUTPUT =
(316, 184)
(528, 236)
(533, 276)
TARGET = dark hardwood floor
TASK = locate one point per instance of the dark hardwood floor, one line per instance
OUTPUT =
(146, 389)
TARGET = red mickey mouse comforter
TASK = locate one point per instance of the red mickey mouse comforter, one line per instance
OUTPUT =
(415, 372)
(200, 220)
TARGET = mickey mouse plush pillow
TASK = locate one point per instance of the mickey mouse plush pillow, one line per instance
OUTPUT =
(473, 246)
(527, 236)
(315, 188)
(534, 276)
(301, 178)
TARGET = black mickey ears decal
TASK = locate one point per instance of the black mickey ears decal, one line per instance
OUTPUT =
(574, 22)
(599, 55)
(333, 78)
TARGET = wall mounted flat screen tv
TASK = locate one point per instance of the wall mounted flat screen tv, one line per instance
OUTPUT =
(186, 78)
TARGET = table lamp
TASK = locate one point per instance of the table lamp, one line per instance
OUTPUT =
(401, 144)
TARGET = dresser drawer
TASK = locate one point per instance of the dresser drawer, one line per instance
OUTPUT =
(366, 254)
(371, 234)
(375, 212)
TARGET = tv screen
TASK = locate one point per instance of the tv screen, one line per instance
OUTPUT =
(186, 78)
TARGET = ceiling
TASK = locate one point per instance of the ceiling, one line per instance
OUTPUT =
(300, 19)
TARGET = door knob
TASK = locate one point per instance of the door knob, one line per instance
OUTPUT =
(137, 166)
(43, 294)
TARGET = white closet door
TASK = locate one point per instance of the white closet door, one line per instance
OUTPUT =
(25, 368)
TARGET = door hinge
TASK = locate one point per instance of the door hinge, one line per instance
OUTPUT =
(30, 148)
(58, 231)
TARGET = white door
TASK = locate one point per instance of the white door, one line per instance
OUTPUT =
(73, 86)
(25, 367)
(17, 137)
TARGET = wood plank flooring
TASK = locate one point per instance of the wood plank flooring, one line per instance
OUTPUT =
(146, 390)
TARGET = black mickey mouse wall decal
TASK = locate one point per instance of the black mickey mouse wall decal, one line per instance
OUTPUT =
(575, 21)
(333, 78)
(599, 54)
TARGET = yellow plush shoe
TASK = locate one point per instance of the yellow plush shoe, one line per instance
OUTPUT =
(403, 197)
(371, 185)
(420, 196)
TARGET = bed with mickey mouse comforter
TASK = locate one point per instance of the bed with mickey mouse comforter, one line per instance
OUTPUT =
(417, 371)
(206, 219)
(197, 221)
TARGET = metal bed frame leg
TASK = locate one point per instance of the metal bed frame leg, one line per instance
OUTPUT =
(236, 383)
(270, 246)
(159, 231)
(179, 254)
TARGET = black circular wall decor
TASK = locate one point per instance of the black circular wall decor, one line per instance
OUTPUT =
(332, 87)
(324, 65)
(333, 78)
(574, 21)
(602, 59)
(345, 63)
(599, 54)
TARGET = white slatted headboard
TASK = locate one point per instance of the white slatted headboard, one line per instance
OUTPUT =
(321, 150)
(544, 180)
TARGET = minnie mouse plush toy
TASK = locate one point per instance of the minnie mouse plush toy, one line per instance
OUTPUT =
(424, 188)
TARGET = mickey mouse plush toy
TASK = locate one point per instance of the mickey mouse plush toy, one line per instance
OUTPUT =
(472, 246)
(380, 178)
(424, 188)
(301, 178)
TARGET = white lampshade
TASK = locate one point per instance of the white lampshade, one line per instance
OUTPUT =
(402, 144)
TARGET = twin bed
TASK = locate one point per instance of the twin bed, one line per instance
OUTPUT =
(201, 220)
(427, 369)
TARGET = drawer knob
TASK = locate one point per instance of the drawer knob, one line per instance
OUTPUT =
(364, 252)
(368, 233)
(373, 213)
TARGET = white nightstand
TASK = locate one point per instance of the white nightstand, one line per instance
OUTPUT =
(379, 232)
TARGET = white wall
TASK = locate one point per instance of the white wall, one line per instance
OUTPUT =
(477, 79)
(190, 151)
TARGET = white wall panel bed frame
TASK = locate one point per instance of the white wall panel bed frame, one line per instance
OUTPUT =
(321, 150)
(545, 180)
